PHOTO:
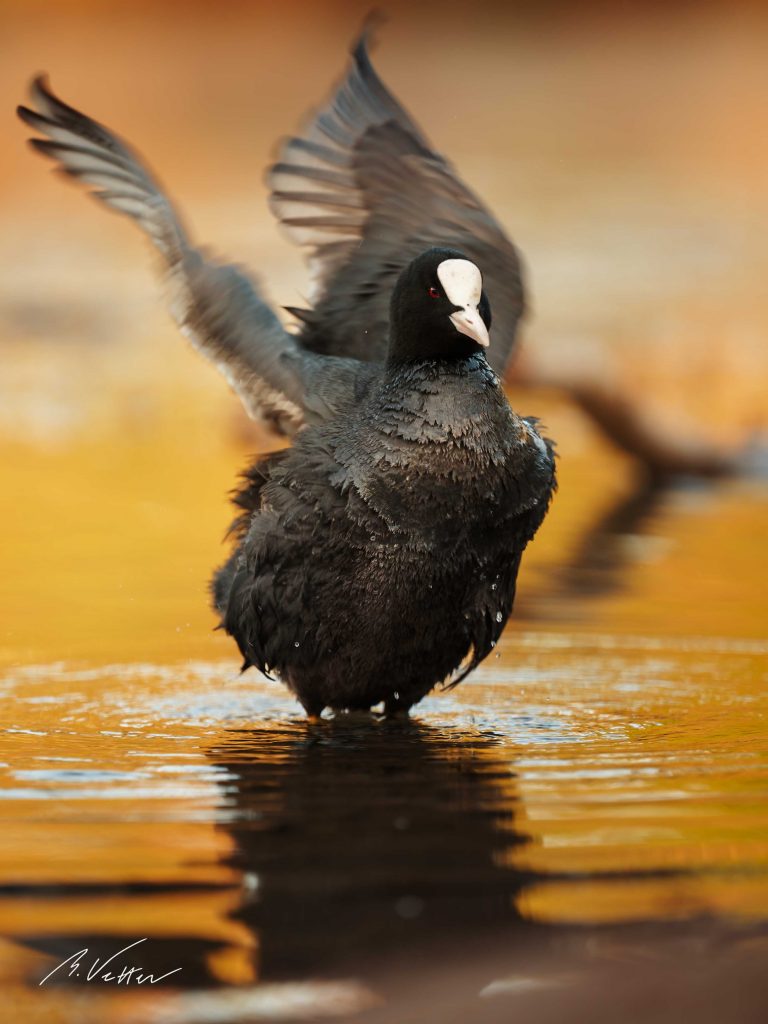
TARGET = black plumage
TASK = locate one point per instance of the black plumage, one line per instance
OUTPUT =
(378, 556)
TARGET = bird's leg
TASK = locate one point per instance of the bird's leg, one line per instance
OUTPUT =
(313, 709)
(395, 707)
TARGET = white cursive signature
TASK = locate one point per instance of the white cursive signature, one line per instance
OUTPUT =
(98, 972)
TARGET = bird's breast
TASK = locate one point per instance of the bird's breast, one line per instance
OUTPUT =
(440, 465)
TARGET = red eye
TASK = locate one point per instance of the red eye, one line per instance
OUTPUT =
(433, 293)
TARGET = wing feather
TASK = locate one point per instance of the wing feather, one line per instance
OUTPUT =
(363, 152)
(216, 305)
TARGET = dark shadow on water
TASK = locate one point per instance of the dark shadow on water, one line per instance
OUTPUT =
(382, 851)
(371, 840)
(632, 529)
(605, 552)
(359, 841)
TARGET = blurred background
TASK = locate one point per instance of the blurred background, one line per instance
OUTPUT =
(624, 147)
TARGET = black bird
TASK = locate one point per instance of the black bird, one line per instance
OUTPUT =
(378, 556)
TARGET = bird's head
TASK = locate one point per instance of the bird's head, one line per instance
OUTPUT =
(439, 309)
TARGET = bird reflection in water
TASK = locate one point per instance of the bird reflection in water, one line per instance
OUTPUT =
(383, 852)
(371, 842)
(359, 846)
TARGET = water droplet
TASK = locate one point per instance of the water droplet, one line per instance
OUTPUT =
(396, 695)
(250, 882)
(297, 643)
(499, 616)
(494, 586)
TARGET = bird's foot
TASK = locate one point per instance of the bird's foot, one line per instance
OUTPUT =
(396, 710)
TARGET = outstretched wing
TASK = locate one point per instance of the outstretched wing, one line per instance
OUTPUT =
(364, 192)
(216, 305)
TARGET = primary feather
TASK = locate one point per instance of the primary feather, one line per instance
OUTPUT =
(217, 306)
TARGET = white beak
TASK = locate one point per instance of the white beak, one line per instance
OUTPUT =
(468, 321)
(463, 286)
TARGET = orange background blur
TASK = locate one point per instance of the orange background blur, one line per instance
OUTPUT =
(625, 151)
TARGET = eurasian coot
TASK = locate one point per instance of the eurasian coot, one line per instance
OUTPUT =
(376, 557)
